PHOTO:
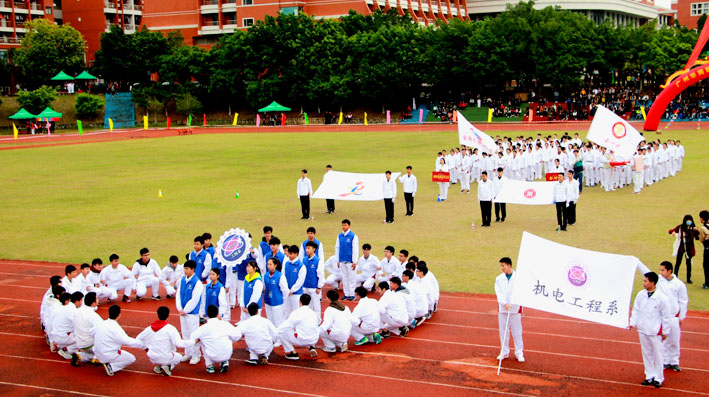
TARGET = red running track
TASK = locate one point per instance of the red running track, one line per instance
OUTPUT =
(452, 354)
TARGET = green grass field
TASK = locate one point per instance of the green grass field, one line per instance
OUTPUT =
(74, 203)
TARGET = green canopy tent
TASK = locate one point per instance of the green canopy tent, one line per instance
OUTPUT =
(85, 76)
(48, 113)
(274, 107)
(61, 76)
(22, 114)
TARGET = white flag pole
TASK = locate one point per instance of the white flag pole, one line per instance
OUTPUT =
(504, 340)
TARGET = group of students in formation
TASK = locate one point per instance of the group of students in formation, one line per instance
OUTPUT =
(285, 281)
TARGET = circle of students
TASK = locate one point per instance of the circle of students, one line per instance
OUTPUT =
(571, 161)
(286, 281)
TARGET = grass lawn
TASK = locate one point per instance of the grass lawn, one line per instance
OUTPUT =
(74, 203)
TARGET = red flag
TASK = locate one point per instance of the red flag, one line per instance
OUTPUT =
(168, 123)
(205, 119)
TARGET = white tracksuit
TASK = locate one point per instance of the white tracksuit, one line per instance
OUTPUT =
(651, 316)
(367, 268)
(189, 322)
(162, 344)
(169, 278)
(119, 278)
(102, 291)
(419, 297)
(259, 334)
(109, 337)
(503, 290)
(146, 276)
(299, 329)
(334, 277)
(392, 312)
(62, 333)
(85, 320)
(336, 327)
(216, 338)
(365, 318)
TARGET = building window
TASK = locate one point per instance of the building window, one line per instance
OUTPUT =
(246, 22)
(699, 9)
(247, 2)
(48, 10)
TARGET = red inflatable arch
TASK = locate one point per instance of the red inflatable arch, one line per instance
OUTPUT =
(693, 72)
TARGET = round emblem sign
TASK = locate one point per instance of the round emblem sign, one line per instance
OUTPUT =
(619, 130)
(233, 247)
(577, 275)
(530, 193)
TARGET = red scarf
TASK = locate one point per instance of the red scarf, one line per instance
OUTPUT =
(157, 325)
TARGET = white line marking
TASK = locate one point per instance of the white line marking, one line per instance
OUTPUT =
(52, 389)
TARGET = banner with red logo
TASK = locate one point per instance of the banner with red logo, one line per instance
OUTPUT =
(440, 176)
(553, 176)
(352, 186)
(614, 133)
(588, 285)
(526, 193)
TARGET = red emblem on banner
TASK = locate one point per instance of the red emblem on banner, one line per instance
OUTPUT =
(530, 193)
(619, 130)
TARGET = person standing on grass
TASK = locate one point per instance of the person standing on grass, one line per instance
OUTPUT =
(509, 316)
(485, 195)
(187, 301)
(161, 341)
(346, 252)
(329, 202)
(572, 197)
(687, 232)
(500, 208)
(305, 190)
(704, 239)
(109, 337)
(651, 317)
(560, 200)
(442, 186)
(410, 187)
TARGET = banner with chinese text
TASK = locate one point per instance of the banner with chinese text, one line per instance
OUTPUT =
(578, 283)
(612, 132)
(440, 176)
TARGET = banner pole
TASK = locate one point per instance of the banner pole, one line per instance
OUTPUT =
(502, 346)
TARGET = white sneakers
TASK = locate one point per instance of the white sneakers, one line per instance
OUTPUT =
(502, 356)
(195, 360)
(520, 357)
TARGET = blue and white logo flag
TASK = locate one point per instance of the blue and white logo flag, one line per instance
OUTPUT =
(233, 247)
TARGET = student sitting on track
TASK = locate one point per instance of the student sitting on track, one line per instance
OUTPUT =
(171, 275)
(47, 298)
(300, 329)
(162, 340)
(119, 277)
(53, 305)
(418, 294)
(63, 325)
(70, 283)
(260, 335)
(409, 298)
(109, 337)
(336, 325)
(365, 319)
(147, 274)
(94, 280)
(392, 312)
(85, 320)
(216, 337)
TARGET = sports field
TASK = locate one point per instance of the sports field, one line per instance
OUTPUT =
(75, 202)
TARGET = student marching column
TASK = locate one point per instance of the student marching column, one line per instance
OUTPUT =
(651, 316)
(509, 315)
(109, 337)
(410, 187)
(389, 194)
(346, 252)
(305, 190)
(187, 302)
(162, 340)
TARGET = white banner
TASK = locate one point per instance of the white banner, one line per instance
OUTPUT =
(614, 133)
(574, 282)
(526, 193)
(352, 186)
(470, 136)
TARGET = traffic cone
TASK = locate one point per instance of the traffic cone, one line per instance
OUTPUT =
(159, 193)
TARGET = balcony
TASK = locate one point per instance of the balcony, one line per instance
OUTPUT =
(36, 8)
(10, 40)
(110, 7)
(209, 6)
(229, 6)
(6, 4)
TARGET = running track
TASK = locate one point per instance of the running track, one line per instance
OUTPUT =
(452, 354)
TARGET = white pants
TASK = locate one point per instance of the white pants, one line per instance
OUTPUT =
(166, 359)
(333, 280)
(254, 353)
(65, 341)
(314, 301)
(638, 181)
(367, 281)
(276, 314)
(330, 341)
(349, 278)
(648, 176)
(220, 357)
(392, 324)
(143, 283)
(443, 190)
(125, 285)
(231, 284)
(291, 303)
(290, 342)
(465, 181)
(359, 333)
(118, 361)
(514, 328)
(651, 346)
(169, 289)
(104, 292)
(671, 344)
(188, 325)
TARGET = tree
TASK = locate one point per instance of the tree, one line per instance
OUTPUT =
(155, 106)
(87, 106)
(37, 100)
(701, 21)
(48, 49)
(188, 104)
(130, 58)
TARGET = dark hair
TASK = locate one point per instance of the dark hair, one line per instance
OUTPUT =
(77, 297)
(89, 298)
(395, 280)
(332, 295)
(408, 273)
(252, 308)
(276, 262)
(310, 229)
(207, 236)
(347, 221)
(422, 267)
(55, 280)
(667, 265)
(69, 268)
(144, 251)
(216, 271)
(174, 259)
(361, 291)
(163, 312)
(652, 277)
(387, 172)
(58, 291)
(200, 239)
(408, 167)
(305, 299)
(304, 171)
(97, 261)
(267, 229)
(64, 297)
(704, 214)
(414, 259)
(310, 244)
(85, 266)
(366, 246)
(191, 264)
(328, 166)
(506, 260)
(212, 311)
(285, 247)
(405, 252)
(114, 311)
(500, 169)
(686, 218)
(390, 249)
(254, 265)
(484, 172)
(112, 257)
(274, 241)
(293, 249)
(410, 266)
(384, 285)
